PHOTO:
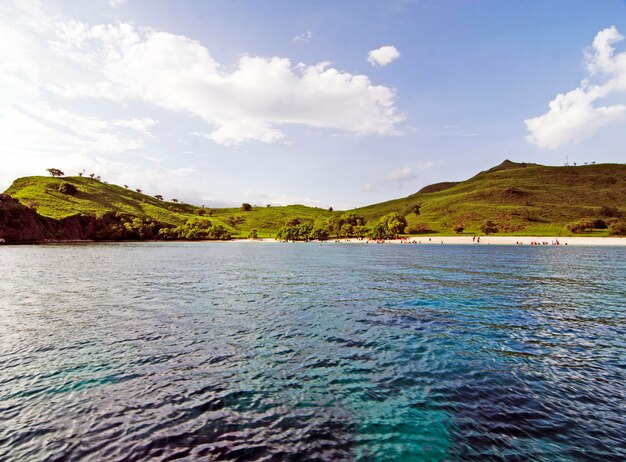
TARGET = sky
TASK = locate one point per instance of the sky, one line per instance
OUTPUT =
(322, 103)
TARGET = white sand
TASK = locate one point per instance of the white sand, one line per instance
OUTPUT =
(487, 240)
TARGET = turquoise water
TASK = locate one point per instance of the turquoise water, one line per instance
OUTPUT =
(244, 351)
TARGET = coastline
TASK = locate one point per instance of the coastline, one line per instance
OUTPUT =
(484, 240)
(607, 241)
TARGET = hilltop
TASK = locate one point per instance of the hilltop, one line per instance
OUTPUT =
(519, 198)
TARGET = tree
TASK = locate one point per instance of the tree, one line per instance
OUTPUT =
(330, 209)
(346, 230)
(345, 225)
(318, 233)
(458, 229)
(55, 172)
(296, 232)
(488, 227)
(138, 190)
(389, 226)
(245, 207)
(269, 205)
(126, 186)
(81, 173)
(158, 197)
(91, 175)
(253, 234)
(175, 201)
(394, 223)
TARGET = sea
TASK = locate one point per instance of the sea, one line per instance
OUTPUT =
(307, 351)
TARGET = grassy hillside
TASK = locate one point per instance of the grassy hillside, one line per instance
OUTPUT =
(521, 198)
(97, 198)
(524, 199)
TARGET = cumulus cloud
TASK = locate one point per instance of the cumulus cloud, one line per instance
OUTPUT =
(251, 102)
(116, 3)
(579, 114)
(304, 37)
(383, 55)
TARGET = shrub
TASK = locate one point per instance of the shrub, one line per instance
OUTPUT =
(200, 212)
(584, 225)
(599, 224)
(245, 207)
(488, 227)
(234, 220)
(419, 229)
(458, 229)
(67, 188)
(253, 234)
(195, 229)
(618, 229)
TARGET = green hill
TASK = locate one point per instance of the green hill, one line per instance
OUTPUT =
(524, 199)
(95, 198)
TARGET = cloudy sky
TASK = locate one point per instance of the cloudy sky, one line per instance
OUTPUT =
(325, 103)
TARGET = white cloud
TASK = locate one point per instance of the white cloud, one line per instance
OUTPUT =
(116, 3)
(80, 96)
(403, 176)
(400, 176)
(304, 37)
(125, 63)
(140, 125)
(575, 116)
(383, 55)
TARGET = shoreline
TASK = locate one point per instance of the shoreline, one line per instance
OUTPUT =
(607, 241)
(484, 240)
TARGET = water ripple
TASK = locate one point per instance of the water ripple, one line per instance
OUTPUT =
(186, 351)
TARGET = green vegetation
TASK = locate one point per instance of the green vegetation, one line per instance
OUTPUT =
(519, 198)
(55, 172)
(195, 229)
(512, 198)
(389, 226)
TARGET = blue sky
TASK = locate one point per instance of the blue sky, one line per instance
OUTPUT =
(221, 102)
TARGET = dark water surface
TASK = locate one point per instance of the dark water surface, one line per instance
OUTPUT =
(243, 351)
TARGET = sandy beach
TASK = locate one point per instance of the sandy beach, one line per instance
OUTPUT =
(484, 240)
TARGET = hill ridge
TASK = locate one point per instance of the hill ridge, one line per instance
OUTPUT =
(521, 198)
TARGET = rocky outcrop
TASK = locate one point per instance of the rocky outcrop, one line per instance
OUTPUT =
(21, 224)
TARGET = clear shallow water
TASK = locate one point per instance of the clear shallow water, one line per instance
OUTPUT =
(240, 351)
